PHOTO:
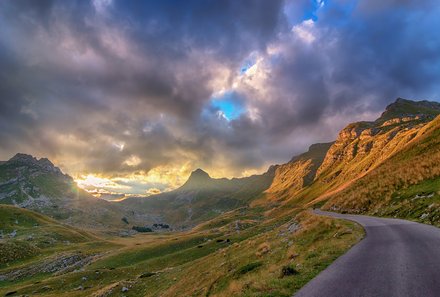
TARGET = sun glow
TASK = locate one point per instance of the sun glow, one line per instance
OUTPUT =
(141, 183)
(92, 181)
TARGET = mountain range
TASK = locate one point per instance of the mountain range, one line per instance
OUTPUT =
(398, 153)
(252, 236)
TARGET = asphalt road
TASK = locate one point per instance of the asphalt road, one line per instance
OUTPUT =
(397, 258)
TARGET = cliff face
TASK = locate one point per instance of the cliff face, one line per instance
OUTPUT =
(359, 148)
(362, 146)
(298, 173)
(406, 185)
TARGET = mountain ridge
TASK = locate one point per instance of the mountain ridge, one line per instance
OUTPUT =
(409, 108)
(325, 169)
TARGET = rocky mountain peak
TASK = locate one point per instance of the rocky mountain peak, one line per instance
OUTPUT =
(197, 179)
(199, 175)
(23, 158)
(30, 161)
(404, 108)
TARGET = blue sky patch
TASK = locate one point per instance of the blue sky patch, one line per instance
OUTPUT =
(229, 103)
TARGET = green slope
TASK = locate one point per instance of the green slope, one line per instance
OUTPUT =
(276, 255)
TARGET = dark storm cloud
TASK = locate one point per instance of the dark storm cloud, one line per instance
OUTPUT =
(353, 61)
(96, 81)
(119, 87)
(228, 27)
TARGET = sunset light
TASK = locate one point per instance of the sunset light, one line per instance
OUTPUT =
(238, 148)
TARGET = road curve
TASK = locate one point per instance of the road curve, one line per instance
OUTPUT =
(397, 258)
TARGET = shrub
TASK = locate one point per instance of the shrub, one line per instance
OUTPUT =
(288, 270)
(141, 229)
(147, 274)
(247, 268)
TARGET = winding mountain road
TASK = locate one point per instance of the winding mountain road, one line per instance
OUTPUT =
(397, 258)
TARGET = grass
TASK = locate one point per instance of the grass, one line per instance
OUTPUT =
(38, 239)
(247, 268)
(247, 262)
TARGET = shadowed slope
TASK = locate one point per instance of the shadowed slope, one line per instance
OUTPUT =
(199, 199)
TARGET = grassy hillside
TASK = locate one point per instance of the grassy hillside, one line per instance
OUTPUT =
(34, 247)
(406, 185)
(250, 256)
(389, 167)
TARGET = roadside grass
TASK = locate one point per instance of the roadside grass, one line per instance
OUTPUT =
(420, 203)
(253, 267)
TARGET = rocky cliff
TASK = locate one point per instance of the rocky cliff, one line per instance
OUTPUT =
(406, 185)
(362, 146)
(298, 173)
(359, 149)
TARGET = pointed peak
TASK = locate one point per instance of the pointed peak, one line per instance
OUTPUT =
(197, 179)
(199, 174)
(45, 162)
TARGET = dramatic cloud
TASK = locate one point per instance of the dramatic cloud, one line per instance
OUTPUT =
(130, 96)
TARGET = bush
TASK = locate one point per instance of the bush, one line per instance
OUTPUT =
(162, 226)
(147, 274)
(288, 270)
(141, 229)
(247, 268)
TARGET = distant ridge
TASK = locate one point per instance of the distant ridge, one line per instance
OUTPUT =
(407, 108)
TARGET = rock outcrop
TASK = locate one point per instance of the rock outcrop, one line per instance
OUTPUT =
(362, 146)
(298, 173)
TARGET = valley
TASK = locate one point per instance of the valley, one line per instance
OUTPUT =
(207, 261)
(251, 236)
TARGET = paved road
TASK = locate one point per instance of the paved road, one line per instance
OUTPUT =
(397, 258)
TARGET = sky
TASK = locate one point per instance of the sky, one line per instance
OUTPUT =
(131, 96)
